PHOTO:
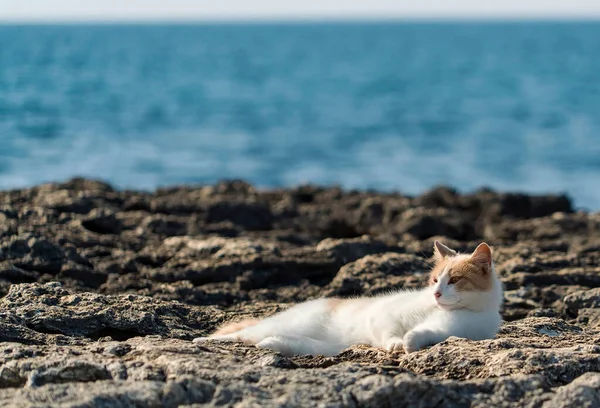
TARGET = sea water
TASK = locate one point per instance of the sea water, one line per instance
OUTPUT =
(389, 106)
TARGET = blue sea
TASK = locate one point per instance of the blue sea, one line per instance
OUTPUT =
(388, 106)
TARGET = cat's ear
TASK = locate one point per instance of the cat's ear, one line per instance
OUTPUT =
(482, 255)
(441, 251)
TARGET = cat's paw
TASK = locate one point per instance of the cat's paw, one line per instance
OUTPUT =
(394, 344)
(275, 343)
(415, 341)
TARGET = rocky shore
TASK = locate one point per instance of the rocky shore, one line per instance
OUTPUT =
(103, 290)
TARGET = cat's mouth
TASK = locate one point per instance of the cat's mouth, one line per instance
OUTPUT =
(445, 305)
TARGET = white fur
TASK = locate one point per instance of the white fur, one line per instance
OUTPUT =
(409, 320)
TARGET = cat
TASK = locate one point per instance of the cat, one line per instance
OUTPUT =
(463, 299)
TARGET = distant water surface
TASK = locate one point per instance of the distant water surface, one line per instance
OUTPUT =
(514, 106)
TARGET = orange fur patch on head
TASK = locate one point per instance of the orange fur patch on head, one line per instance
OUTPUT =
(437, 271)
(469, 276)
(229, 328)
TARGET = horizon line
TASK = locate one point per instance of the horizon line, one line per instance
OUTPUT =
(302, 19)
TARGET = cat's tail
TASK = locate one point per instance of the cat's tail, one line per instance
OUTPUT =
(230, 332)
(230, 328)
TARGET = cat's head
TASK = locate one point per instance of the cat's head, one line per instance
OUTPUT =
(462, 281)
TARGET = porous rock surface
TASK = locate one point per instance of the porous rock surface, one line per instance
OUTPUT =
(103, 290)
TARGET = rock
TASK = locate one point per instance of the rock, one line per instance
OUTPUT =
(50, 309)
(32, 253)
(66, 201)
(349, 250)
(560, 352)
(109, 393)
(584, 391)
(162, 225)
(437, 197)
(377, 273)
(422, 224)
(250, 216)
(583, 300)
(102, 222)
(12, 273)
(589, 318)
(8, 221)
(103, 289)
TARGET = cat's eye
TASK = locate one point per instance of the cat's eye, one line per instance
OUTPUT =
(453, 280)
(434, 280)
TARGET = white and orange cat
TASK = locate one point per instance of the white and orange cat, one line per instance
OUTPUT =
(463, 299)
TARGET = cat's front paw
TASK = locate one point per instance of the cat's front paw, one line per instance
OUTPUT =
(394, 344)
(415, 341)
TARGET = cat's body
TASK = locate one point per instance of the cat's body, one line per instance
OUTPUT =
(463, 300)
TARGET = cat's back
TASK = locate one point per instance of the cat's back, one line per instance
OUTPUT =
(401, 301)
(365, 318)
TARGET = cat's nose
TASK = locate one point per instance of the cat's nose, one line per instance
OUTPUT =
(437, 294)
